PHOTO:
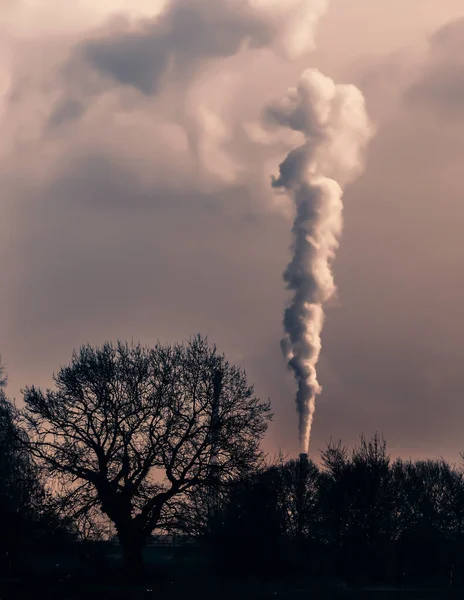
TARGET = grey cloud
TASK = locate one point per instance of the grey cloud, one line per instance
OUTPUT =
(143, 53)
(441, 84)
(68, 109)
(136, 57)
(101, 182)
(139, 53)
(208, 28)
(448, 39)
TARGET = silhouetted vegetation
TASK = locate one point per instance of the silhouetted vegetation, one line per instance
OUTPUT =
(358, 517)
(29, 521)
(168, 439)
(129, 429)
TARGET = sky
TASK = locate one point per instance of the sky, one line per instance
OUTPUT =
(136, 200)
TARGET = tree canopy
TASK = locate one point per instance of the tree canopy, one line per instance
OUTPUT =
(128, 428)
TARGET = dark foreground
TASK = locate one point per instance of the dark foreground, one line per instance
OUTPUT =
(190, 572)
(219, 590)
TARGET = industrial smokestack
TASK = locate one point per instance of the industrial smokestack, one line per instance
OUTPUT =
(336, 130)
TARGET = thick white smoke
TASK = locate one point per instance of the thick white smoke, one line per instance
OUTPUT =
(336, 128)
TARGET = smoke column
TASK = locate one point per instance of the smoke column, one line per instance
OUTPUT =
(336, 130)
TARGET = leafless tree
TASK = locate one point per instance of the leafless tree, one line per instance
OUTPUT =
(129, 429)
(3, 377)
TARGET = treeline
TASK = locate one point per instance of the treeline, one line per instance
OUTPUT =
(167, 440)
(359, 517)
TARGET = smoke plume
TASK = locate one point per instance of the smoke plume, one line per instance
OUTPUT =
(336, 129)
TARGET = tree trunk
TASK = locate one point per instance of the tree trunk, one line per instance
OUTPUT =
(132, 545)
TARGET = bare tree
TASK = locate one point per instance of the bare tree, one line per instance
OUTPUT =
(128, 429)
(3, 377)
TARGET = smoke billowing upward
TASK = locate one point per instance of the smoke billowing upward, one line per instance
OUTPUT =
(336, 129)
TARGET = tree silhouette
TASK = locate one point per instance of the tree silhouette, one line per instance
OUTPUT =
(359, 506)
(25, 509)
(299, 498)
(431, 506)
(18, 482)
(128, 429)
(252, 523)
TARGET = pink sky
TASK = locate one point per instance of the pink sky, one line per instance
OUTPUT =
(134, 206)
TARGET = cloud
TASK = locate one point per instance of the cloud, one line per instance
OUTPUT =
(143, 215)
(175, 44)
(126, 156)
(133, 55)
(440, 86)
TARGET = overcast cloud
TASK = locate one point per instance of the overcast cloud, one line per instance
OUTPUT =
(136, 201)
